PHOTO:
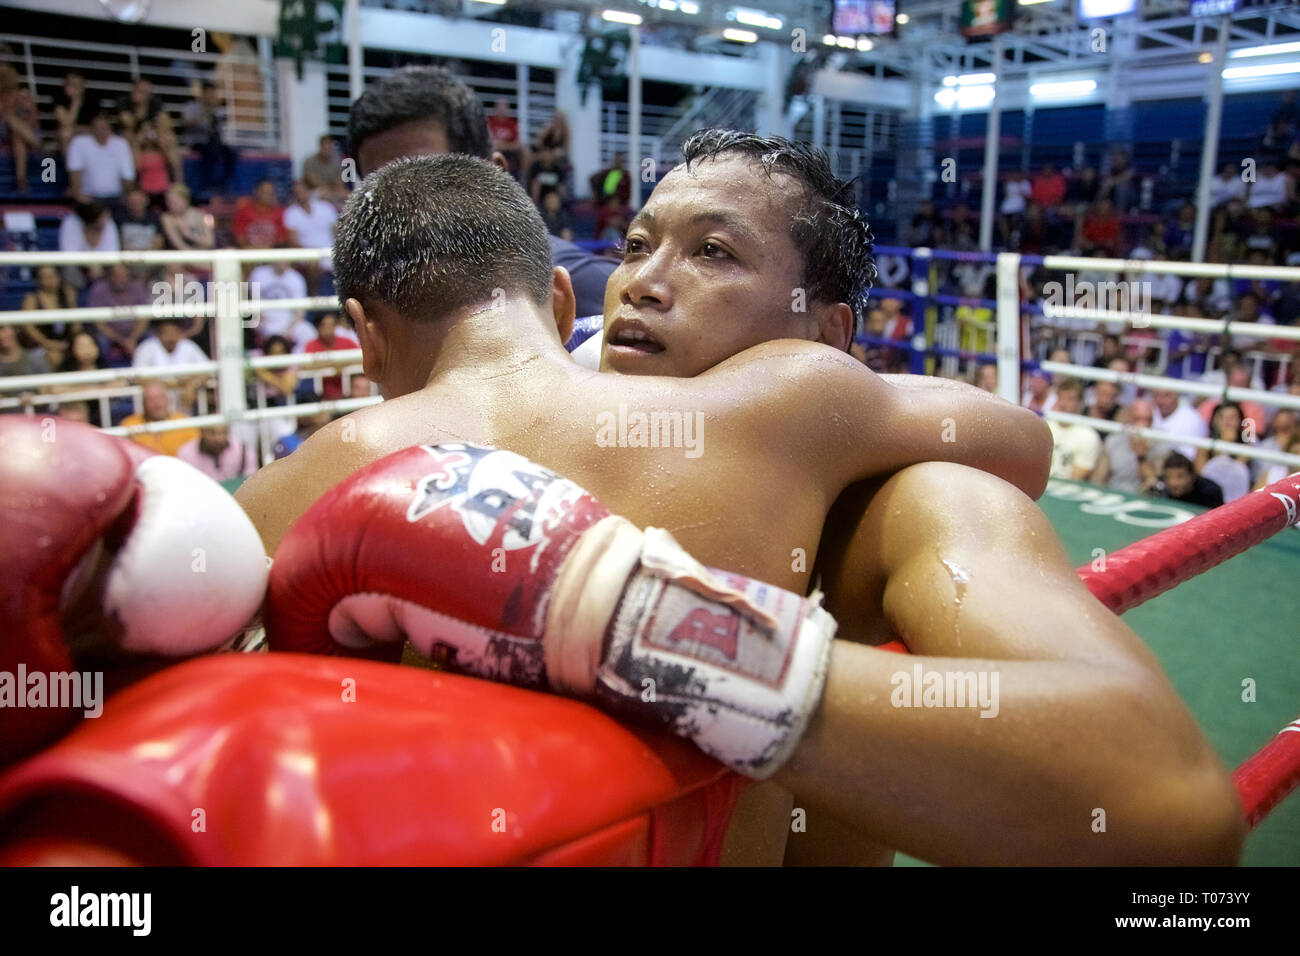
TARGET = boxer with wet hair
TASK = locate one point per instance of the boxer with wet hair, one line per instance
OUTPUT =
(792, 430)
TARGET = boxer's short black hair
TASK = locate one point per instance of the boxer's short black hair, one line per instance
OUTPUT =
(828, 227)
(428, 235)
(421, 94)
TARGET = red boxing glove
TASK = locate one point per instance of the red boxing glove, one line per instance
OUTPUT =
(503, 569)
(288, 760)
(109, 550)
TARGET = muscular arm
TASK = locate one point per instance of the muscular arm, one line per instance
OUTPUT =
(861, 425)
(971, 576)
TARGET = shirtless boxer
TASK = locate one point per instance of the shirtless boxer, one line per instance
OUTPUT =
(461, 321)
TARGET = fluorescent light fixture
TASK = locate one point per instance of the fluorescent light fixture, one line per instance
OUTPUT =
(1030, 3)
(689, 6)
(495, 3)
(669, 5)
(755, 18)
(740, 36)
(829, 39)
(966, 97)
(864, 44)
(618, 16)
(1265, 69)
(847, 42)
(1267, 50)
(902, 19)
(969, 79)
(1062, 88)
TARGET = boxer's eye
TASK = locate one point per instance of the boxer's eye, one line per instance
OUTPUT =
(630, 246)
(712, 250)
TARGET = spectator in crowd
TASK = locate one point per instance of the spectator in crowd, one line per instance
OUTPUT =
(1120, 186)
(140, 105)
(88, 228)
(19, 123)
(167, 347)
(1229, 472)
(184, 227)
(218, 454)
(1011, 212)
(1276, 472)
(280, 382)
(278, 280)
(613, 181)
(259, 221)
(138, 228)
(329, 339)
(555, 136)
(1176, 417)
(1126, 462)
(873, 354)
(323, 170)
(1036, 391)
(1039, 235)
(360, 387)
(924, 223)
(504, 130)
(151, 164)
(1048, 189)
(1099, 228)
(204, 121)
(84, 355)
(613, 221)
(74, 108)
(986, 377)
(309, 224)
(1280, 432)
(308, 425)
(145, 121)
(1180, 482)
(1075, 448)
(546, 175)
(1238, 376)
(1105, 402)
(51, 292)
(1271, 189)
(16, 360)
(1228, 185)
(100, 165)
(556, 219)
(75, 412)
(118, 290)
(157, 405)
(1081, 192)
(1180, 233)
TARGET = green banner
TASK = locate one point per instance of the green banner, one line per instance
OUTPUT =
(311, 30)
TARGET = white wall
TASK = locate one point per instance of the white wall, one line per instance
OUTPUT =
(231, 16)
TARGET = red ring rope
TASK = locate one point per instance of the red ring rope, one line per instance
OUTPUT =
(1152, 566)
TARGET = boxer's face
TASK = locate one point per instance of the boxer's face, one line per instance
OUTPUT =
(710, 271)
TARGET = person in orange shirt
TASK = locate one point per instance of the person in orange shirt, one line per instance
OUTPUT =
(158, 408)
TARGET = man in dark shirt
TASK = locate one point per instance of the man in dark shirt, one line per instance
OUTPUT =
(1180, 482)
(424, 110)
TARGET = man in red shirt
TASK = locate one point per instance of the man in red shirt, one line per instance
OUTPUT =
(1049, 188)
(328, 339)
(1101, 228)
(259, 221)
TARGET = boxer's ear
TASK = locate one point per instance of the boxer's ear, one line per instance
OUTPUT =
(835, 325)
(563, 302)
(373, 339)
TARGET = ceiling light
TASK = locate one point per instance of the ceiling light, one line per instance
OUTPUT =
(740, 36)
(618, 16)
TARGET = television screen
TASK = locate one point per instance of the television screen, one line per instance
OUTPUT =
(983, 18)
(863, 17)
(1092, 9)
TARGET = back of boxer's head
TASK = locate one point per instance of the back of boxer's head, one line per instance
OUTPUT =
(421, 95)
(428, 236)
(827, 226)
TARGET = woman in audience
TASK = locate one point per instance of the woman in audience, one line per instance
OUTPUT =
(280, 382)
(18, 122)
(1229, 472)
(184, 226)
(51, 292)
(84, 355)
(1276, 472)
(151, 165)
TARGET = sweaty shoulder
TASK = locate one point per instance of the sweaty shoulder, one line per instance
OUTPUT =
(277, 494)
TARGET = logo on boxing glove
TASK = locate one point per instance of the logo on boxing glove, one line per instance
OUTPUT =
(490, 490)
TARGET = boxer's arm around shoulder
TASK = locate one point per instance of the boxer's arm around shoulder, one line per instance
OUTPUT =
(1081, 752)
(869, 426)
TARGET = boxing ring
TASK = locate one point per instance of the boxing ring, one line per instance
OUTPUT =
(1128, 577)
